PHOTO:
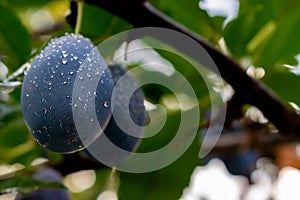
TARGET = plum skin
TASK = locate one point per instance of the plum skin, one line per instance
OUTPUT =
(46, 97)
(120, 139)
(136, 109)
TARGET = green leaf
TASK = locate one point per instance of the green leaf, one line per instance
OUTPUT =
(14, 132)
(98, 24)
(190, 15)
(239, 32)
(27, 3)
(8, 113)
(15, 43)
(265, 31)
(283, 44)
(26, 184)
(284, 84)
(167, 183)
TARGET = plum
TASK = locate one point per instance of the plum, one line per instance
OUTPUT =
(122, 138)
(47, 93)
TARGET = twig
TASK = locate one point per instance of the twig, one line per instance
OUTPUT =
(251, 91)
(19, 72)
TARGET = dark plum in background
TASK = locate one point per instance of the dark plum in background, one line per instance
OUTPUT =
(47, 175)
(121, 139)
(136, 109)
(47, 92)
(241, 161)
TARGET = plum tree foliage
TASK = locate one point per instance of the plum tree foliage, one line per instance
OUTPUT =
(261, 41)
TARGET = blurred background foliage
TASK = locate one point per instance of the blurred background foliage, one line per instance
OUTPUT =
(263, 38)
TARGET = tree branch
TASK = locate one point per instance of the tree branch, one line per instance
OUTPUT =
(142, 14)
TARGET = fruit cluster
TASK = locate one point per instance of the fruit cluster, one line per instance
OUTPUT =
(48, 100)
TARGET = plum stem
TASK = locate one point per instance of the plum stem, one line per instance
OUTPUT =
(80, 5)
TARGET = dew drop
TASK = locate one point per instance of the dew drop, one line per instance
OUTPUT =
(45, 145)
(60, 123)
(64, 61)
(27, 95)
(65, 82)
(65, 55)
(105, 104)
